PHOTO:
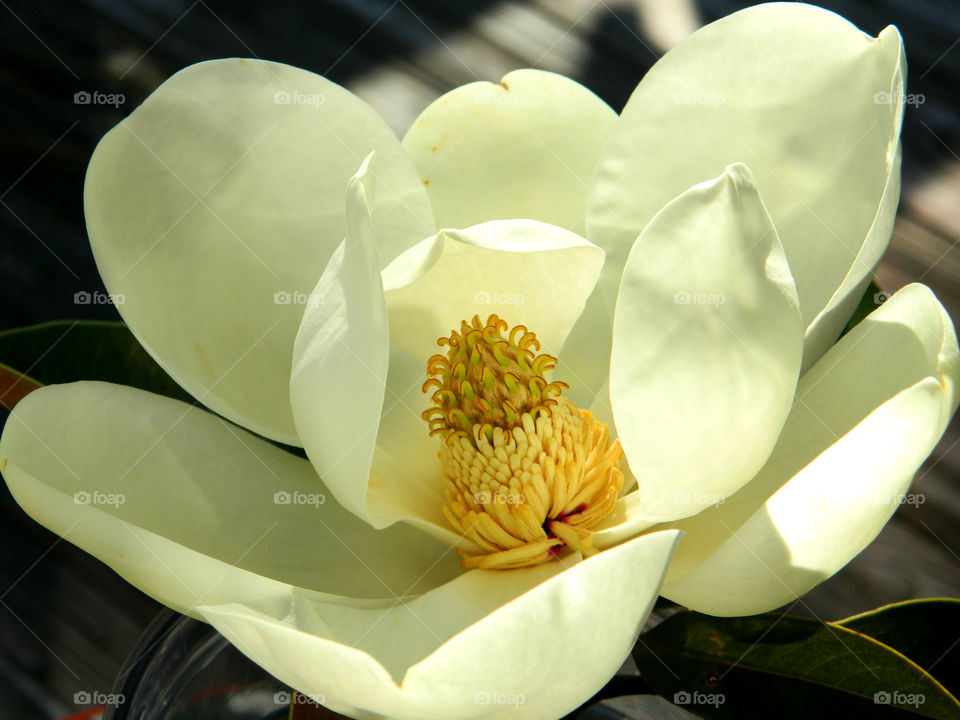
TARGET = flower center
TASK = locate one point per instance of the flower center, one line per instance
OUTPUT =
(527, 472)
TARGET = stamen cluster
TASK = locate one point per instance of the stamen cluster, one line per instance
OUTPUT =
(527, 473)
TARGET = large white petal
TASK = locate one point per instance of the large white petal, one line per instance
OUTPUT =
(340, 356)
(706, 347)
(213, 209)
(186, 507)
(525, 147)
(866, 415)
(813, 106)
(529, 643)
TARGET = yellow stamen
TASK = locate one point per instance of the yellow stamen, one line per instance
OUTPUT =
(527, 473)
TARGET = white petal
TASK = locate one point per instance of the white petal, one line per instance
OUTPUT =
(706, 347)
(525, 147)
(866, 416)
(193, 510)
(525, 271)
(213, 209)
(810, 103)
(340, 357)
(824, 329)
(530, 643)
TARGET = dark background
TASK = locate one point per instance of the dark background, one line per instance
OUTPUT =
(66, 621)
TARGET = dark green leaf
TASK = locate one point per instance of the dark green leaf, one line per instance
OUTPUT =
(926, 631)
(781, 666)
(66, 351)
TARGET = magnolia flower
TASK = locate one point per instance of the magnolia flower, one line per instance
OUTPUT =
(621, 338)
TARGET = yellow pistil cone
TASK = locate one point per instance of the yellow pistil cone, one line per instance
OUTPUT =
(527, 472)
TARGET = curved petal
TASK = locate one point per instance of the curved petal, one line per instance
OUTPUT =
(193, 510)
(823, 106)
(525, 147)
(824, 329)
(490, 644)
(526, 271)
(706, 347)
(866, 417)
(213, 208)
(340, 356)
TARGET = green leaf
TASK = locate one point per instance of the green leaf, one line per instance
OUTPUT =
(926, 631)
(66, 351)
(785, 667)
(872, 298)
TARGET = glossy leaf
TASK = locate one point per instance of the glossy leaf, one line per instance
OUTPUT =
(926, 631)
(786, 667)
(69, 350)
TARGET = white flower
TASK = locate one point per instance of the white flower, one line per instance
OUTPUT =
(695, 323)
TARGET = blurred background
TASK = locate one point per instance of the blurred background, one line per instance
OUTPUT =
(66, 621)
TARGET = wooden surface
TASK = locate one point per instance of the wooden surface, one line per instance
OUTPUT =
(66, 621)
